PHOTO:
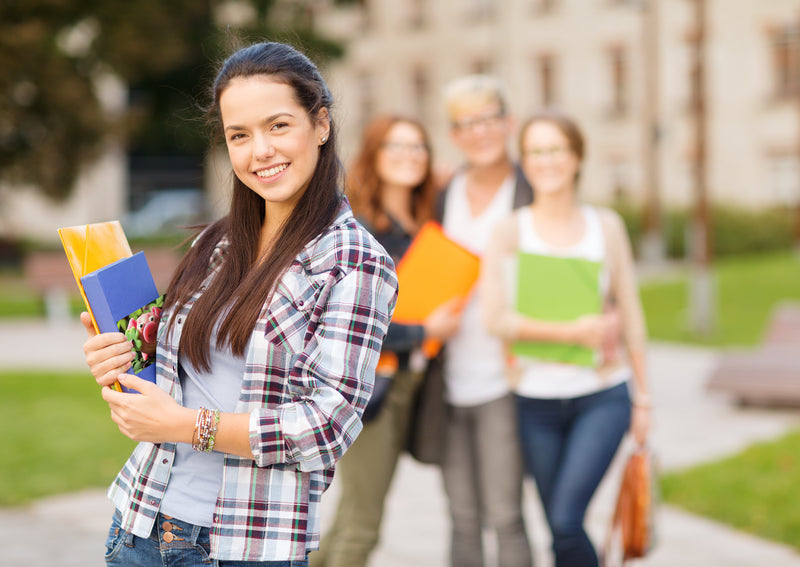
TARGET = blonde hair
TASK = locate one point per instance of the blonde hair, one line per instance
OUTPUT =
(473, 89)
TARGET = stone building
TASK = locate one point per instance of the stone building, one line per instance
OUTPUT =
(623, 67)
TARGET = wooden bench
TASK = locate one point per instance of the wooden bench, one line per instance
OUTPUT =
(49, 275)
(770, 374)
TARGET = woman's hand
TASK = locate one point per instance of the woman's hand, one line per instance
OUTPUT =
(443, 321)
(597, 331)
(152, 415)
(108, 354)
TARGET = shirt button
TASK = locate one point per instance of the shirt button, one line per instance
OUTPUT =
(165, 461)
(168, 537)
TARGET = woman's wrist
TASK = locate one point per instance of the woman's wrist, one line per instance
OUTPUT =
(183, 425)
(641, 400)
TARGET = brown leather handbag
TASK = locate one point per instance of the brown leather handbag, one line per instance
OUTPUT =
(632, 527)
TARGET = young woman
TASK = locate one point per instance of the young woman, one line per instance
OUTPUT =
(267, 347)
(392, 190)
(571, 417)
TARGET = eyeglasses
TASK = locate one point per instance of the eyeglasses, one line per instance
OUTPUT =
(552, 152)
(399, 148)
(469, 124)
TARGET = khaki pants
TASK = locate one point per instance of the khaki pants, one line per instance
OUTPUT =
(364, 475)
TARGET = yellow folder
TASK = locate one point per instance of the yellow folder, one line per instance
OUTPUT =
(90, 247)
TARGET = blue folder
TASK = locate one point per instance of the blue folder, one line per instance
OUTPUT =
(121, 291)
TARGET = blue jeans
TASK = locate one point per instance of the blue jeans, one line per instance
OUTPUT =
(188, 546)
(568, 444)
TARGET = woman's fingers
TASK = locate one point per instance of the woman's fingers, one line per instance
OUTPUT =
(107, 355)
(86, 320)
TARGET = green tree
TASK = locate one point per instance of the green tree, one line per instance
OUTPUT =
(54, 52)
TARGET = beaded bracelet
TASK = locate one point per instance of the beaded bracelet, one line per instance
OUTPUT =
(213, 434)
(205, 430)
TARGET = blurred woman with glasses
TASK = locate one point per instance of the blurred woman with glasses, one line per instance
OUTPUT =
(392, 190)
(573, 412)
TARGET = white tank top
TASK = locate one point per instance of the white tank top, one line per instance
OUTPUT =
(545, 379)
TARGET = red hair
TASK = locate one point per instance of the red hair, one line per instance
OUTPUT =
(364, 188)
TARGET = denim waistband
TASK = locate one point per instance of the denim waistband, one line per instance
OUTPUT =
(171, 532)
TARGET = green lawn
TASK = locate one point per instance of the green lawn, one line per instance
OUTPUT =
(755, 491)
(748, 289)
(57, 435)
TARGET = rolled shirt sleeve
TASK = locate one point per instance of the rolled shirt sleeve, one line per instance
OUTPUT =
(331, 378)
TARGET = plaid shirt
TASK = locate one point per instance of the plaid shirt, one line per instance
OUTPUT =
(310, 367)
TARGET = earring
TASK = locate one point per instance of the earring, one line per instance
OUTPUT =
(323, 140)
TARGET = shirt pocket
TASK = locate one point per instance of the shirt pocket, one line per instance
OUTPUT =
(290, 312)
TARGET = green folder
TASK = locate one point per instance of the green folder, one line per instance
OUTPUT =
(556, 289)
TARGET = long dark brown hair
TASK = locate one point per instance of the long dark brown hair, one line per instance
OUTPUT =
(364, 188)
(239, 292)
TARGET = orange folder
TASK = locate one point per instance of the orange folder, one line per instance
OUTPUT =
(90, 247)
(434, 270)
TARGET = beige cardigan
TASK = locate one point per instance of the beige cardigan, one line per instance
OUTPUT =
(501, 319)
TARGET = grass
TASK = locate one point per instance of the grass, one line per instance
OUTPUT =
(57, 436)
(755, 491)
(748, 288)
(18, 300)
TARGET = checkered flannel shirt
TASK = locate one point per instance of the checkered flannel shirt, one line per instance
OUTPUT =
(310, 367)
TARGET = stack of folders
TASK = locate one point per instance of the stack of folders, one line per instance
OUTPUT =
(117, 288)
(556, 289)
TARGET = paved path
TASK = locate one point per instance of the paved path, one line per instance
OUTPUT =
(691, 426)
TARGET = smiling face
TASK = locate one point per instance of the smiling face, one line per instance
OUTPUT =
(548, 161)
(272, 141)
(403, 157)
(479, 128)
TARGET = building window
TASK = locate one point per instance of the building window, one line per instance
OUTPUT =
(416, 14)
(421, 88)
(477, 10)
(786, 61)
(480, 67)
(543, 7)
(546, 74)
(367, 15)
(618, 69)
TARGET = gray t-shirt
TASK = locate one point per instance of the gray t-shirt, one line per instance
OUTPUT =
(196, 478)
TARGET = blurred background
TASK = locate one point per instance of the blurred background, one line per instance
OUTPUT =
(691, 109)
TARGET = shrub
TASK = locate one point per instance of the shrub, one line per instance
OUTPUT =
(735, 231)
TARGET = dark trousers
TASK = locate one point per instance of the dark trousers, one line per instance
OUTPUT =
(568, 445)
